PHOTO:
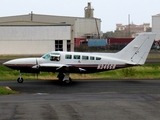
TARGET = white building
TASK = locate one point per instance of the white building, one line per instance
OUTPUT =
(35, 34)
(35, 40)
(156, 25)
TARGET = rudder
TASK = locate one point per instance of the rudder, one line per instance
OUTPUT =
(138, 49)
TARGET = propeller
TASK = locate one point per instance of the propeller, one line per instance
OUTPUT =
(36, 66)
(37, 63)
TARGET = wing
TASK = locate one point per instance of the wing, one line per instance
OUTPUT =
(60, 67)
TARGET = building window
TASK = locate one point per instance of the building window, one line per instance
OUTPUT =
(58, 45)
(68, 45)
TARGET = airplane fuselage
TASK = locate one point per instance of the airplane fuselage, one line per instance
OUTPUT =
(87, 62)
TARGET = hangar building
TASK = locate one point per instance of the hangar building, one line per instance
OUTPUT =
(36, 34)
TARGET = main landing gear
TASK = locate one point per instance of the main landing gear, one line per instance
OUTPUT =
(20, 79)
(64, 78)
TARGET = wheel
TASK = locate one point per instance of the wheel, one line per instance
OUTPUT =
(68, 81)
(60, 76)
(20, 80)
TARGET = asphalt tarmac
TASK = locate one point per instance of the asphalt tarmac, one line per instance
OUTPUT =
(82, 100)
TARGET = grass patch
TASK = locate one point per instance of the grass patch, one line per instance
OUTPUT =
(157, 56)
(7, 91)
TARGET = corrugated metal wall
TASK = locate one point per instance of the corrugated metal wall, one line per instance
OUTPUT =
(31, 40)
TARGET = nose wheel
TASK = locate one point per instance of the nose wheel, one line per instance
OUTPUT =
(20, 79)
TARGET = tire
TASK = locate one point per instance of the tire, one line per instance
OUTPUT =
(67, 81)
(60, 78)
(20, 80)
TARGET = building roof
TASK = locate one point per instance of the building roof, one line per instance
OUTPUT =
(157, 15)
(38, 19)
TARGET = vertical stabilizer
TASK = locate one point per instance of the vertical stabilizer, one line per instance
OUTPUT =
(138, 49)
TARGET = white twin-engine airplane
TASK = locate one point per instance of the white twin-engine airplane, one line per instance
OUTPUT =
(135, 53)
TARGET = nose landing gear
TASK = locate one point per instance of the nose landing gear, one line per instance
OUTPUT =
(20, 79)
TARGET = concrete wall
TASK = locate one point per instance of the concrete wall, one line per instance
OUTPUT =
(87, 26)
(32, 40)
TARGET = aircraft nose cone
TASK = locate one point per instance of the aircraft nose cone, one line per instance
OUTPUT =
(5, 63)
(8, 63)
(22, 62)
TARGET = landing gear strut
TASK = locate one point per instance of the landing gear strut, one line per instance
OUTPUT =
(20, 79)
(64, 78)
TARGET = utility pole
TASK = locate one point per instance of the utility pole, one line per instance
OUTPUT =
(129, 29)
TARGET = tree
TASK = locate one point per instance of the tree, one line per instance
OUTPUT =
(118, 33)
(108, 34)
(149, 29)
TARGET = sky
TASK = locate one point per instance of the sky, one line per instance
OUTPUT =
(110, 12)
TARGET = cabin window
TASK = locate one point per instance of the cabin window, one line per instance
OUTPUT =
(76, 56)
(84, 57)
(52, 56)
(98, 58)
(91, 58)
(68, 56)
(55, 58)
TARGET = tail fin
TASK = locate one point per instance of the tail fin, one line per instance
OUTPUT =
(137, 50)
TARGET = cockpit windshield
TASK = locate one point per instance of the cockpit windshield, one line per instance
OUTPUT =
(46, 56)
(52, 56)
